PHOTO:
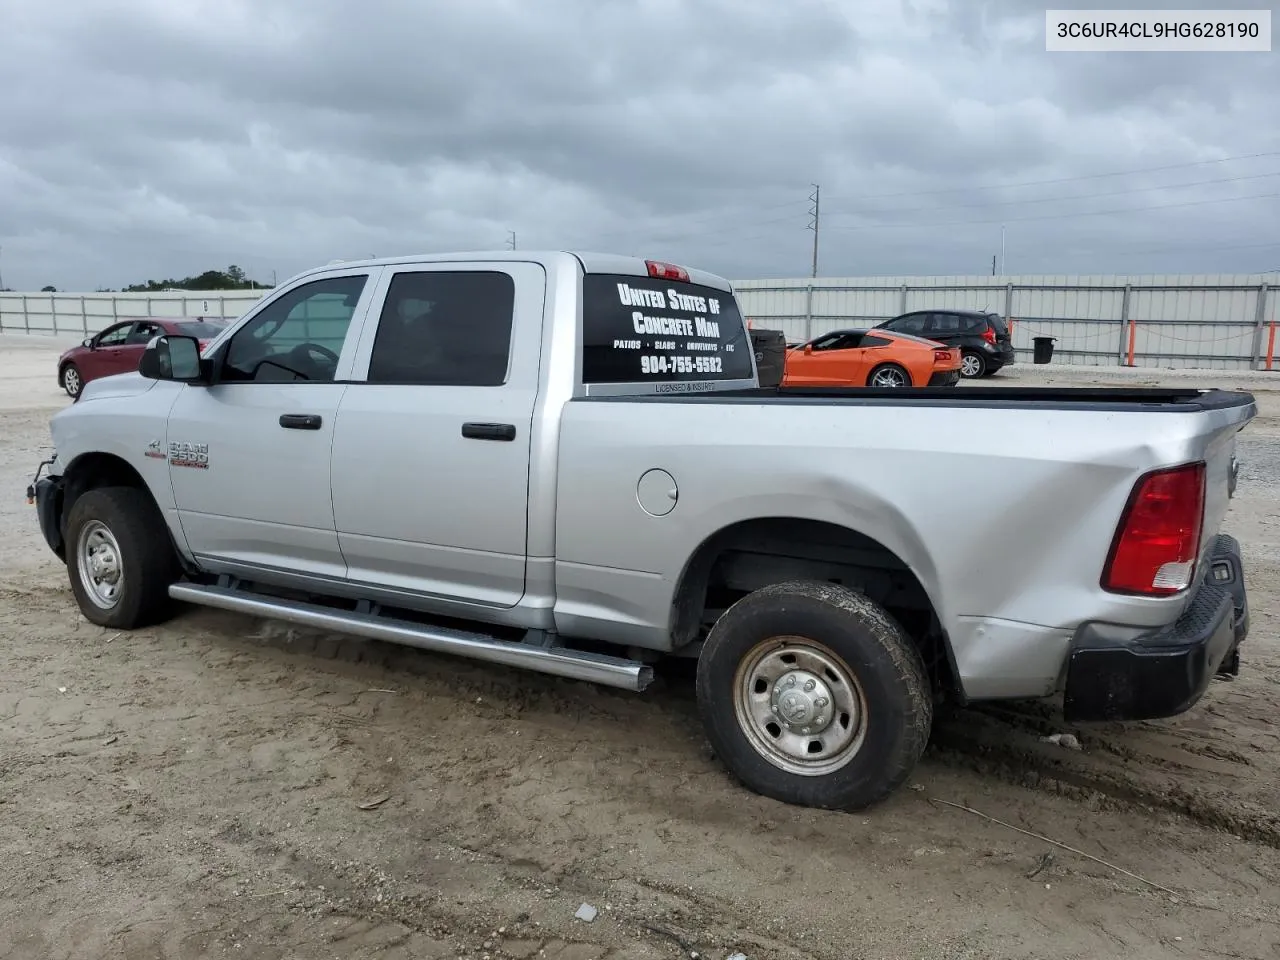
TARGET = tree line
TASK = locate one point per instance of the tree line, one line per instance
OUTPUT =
(232, 278)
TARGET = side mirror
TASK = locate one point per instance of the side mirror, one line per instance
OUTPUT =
(172, 358)
(808, 348)
(87, 342)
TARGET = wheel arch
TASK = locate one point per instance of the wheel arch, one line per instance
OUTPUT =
(899, 364)
(748, 554)
(97, 468)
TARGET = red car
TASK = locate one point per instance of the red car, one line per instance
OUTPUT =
(118, 348)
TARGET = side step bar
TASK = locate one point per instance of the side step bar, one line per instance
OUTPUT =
(560, 661)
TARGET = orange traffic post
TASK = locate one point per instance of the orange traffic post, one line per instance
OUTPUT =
(1271, 343)
(1129, 362)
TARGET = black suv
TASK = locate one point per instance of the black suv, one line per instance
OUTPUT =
(983, 338)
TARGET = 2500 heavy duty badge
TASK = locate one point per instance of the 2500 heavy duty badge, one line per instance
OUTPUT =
(195, 455)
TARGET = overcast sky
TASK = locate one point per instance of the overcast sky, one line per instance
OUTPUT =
(151, 138)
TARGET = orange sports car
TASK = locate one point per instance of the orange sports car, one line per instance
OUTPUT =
(871, 358)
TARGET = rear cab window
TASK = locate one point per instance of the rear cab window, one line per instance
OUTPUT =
(670, 335)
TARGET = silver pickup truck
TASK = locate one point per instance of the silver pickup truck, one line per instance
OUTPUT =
(563, 462)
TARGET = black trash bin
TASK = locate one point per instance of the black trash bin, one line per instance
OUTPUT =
(1042, 349)
(771, 355)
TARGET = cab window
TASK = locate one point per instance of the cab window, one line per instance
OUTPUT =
(297, 337)
(115, 336)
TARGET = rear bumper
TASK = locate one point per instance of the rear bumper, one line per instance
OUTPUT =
(1164, 673)
(1002, 355)
(945, 378)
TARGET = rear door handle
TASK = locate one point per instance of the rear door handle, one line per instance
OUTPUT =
(300, 421)
(489, 431)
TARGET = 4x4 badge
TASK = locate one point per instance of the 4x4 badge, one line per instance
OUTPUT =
(155, 450)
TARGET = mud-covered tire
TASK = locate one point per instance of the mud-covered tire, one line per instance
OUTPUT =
(835, 636)
(123, 529)
(71, 379)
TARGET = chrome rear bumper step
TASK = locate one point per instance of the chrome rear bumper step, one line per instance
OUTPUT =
(559, 661)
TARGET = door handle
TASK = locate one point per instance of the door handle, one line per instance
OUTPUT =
(489, 431)
(300, 421)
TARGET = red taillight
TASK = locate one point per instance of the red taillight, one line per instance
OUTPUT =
(1158, 539)
(943, 356)
(666, 271)
(989, 335)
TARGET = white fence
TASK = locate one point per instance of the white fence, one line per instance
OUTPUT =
(1224, 322)
(86, 313)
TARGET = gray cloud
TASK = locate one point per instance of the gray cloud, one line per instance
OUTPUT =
(148, 138)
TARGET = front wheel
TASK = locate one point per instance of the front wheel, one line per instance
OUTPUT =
(71, 380)
(119, 558)
(972, 365)
(811, 694)
(889, 375)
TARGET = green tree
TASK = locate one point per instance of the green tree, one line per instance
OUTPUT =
(232, 278)
(49, 289)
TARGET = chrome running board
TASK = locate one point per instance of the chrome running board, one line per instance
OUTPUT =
(558, 661)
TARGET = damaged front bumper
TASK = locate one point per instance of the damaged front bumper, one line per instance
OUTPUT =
(46, 493)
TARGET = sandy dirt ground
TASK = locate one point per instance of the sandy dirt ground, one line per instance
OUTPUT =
(196, 790)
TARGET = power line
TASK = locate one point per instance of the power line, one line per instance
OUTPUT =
(1071, 197)
(994, 203)
(1059, 216)
(1037, 183)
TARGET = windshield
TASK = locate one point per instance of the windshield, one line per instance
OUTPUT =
(202, 329)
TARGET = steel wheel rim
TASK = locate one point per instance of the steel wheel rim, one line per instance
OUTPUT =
(98, 558)
(776, 694)
(970, 366)
(887, 378)
(71, 380)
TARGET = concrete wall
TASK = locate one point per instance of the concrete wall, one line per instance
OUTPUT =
(1206, 321)
(86, 313)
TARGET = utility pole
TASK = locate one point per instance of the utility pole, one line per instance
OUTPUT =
(993, 264)
(511, 239)
(1, 272)
(815, 199)
(1002, 273)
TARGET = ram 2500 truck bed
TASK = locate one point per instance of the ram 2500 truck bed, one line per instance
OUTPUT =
(564, 462)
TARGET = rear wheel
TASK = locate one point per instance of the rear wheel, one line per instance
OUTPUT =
(889, 375)
(119, 558)
(811, 694)
(972, 365)
(71, 380)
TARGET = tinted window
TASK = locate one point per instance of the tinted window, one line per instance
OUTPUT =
(115, 336)
(199, 330)
(441, 327)
(298, 336)
(143, 331)
(945, 324)
(871, 340)
(640, 330)
(832, 341)
(912, 323)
